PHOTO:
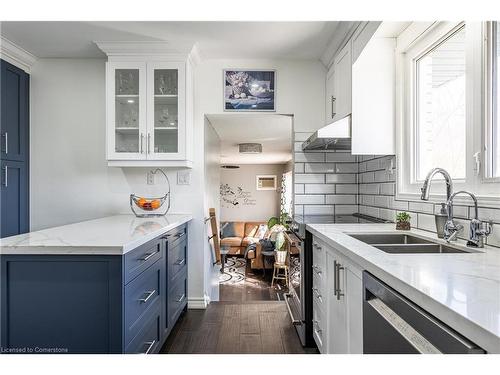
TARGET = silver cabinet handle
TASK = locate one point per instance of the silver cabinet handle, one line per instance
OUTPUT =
(149, 143)
(334, 99)
(336, 280)
(317, 270)
(6, 136)
(316, 328)
(180, 262)
(142, 141)
(149, 294)
(413, 337)
(318, 295)
(150, 345)
(6, 181)
(181, 298)
(147, 256)
(316, 246)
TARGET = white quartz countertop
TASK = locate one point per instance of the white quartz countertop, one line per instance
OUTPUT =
(112, 235)
(460, 289)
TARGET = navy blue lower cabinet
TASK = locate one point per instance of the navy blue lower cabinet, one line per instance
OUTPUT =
(92, 303)
(14, 198)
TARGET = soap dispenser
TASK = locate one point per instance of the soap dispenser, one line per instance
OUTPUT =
(441, 218)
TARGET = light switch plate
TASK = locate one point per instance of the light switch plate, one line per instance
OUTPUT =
(151, 178)
(183, 177)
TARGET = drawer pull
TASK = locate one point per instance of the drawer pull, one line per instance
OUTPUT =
(318, 295)
(316, 327)
(179, 235)
(180, 262)
(181, 298)
(317, 270)
(150, 345)
(148, 296)
(147, 256)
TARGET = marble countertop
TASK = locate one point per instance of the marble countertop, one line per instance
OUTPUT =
(112, 235)
(460, 289)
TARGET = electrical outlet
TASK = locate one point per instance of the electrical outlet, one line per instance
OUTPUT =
(151, 178)
(183, 177)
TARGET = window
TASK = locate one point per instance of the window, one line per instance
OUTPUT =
(266, 182)
(493, 102)
(440, 132)
(442, 121)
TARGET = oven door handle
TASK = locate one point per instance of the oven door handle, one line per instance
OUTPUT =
(295, 322)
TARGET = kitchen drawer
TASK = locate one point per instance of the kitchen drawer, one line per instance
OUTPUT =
(177, 298)
(177, 259)
(141, 296)
(176, 235)
(148, 339)
(138, 260)
(319, 328)
(319, 253)
(319, 276)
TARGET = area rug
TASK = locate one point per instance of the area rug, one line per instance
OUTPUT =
(234, 271)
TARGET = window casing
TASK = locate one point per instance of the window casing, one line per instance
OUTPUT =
(429, 40)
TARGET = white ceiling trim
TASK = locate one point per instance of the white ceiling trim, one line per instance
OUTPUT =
(16, 55)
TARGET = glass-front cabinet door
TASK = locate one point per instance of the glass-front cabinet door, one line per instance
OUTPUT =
(127, 128)
(166, 111)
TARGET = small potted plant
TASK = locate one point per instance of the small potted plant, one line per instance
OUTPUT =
(277, 233)
(403, 221)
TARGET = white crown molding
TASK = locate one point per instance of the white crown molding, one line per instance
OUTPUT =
(341, 36)
(16, 55)
(145, 48)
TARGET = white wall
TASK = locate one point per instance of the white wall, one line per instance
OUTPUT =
(212, 200)
(262, 204)
(70, 180)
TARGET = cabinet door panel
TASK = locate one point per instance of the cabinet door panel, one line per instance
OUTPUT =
(14, 198)
(337, 319)
(14, 113)
(166, 111)
(330, 100)
(126, 111)
(343, 68)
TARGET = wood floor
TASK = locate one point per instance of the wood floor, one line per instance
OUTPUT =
(236, 328)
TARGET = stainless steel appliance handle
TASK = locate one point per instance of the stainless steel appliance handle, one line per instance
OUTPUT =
(150, 346)
(6, 181)
(419, 342)
(338, 291)
(295, 322)
(150, 294)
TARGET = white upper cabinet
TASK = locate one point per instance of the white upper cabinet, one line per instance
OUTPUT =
(342, 82)
(330, 96)
(147, 100)
(373, 98)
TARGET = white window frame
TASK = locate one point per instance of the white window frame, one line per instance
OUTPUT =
(488, 104)
(274, 177)
(418, 38)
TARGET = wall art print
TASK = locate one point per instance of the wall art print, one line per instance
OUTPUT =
(249, 90)
(231, 197)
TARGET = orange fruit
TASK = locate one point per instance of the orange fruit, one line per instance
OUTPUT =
(141, 202)
(155, 203)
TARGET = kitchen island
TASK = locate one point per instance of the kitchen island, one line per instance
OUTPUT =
(112, 285)
(462, 290)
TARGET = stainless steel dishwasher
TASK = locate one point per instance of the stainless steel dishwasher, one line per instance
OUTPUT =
(394, 325)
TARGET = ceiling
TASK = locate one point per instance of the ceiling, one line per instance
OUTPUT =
(274, 132)
(256, 40)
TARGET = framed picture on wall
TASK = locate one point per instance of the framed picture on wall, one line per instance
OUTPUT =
(249, 90)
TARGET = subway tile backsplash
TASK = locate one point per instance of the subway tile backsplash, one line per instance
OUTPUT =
(336, 182)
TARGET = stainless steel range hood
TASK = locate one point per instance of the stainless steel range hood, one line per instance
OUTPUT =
(335, 136)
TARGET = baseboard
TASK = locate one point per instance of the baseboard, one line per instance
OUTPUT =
(199, 303)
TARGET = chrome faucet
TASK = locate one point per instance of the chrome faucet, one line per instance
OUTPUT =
(478, 230)
(426, 188)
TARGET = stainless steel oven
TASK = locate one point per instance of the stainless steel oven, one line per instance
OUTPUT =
(299, 298)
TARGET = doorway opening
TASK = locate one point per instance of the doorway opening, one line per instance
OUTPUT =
(256, 190)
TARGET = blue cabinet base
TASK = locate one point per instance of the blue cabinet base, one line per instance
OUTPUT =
(88, 303)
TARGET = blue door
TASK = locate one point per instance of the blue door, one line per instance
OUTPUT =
(14, 146)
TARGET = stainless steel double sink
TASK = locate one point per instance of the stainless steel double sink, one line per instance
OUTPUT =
(395, 243)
